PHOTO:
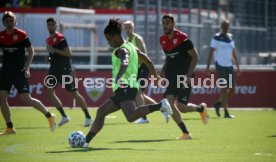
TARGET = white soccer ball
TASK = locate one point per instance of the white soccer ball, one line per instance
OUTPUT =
(76, 139)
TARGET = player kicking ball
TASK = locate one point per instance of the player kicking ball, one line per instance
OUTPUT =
(15, 71)
(124, 84)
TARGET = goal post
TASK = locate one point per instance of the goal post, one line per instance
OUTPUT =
(78, 23)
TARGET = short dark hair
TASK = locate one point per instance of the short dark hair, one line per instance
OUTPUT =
(168, 16)
(51, 19)
(8, 14)
(114, 27)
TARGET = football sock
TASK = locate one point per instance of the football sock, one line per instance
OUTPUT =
(48, 115)
(155, 107)
(89, 136)
(226, 111)
(183, 128)
(86, 113)
(60, 109)
(9, 125)
(199, 108)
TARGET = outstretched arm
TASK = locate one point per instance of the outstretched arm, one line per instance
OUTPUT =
(144, 59)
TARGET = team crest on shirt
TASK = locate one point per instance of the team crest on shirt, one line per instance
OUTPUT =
(54, 40)
(174, 41)
(15, 37)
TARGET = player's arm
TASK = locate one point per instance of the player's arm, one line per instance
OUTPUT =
(235, 58)
(66, 51)
(194, 56)
(144, 59)
(123, 54)
(162, 73)
(189, 47)
(210, 56)
(29, 60)
(30, 50)
(140, 44)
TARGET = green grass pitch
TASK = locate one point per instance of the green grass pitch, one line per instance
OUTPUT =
(250, 137)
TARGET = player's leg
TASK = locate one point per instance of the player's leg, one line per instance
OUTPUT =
(230, 90)
(22, 85)
(126, 97)
(221, 73)
(78, 97)
(108, 107)
(80, 101)
(177, 117)
(139, 102)
(183, 95)
(28, 100)
(6, 113)
(148, 100)
(143, 73)
(57, 103)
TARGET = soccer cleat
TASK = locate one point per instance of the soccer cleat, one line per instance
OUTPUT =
(185, 136)
(141, 121)
(217, 106)
(9, 131)
(166, 109)
(64, 120)
(87, 122)
(204, 114)
(229, 116)
(85, 145)
(52, 122)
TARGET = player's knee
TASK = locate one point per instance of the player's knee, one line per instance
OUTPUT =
(49, 92)
(100, 113)
(130, 119)
(182, 107)
(26, 98)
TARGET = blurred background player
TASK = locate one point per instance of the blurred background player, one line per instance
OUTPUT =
(15, 70)
(143, 71)
(223, 46)
(124, 74)
(181, 59)
(60, 64)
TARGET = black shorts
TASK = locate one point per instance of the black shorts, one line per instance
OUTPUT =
(59, 72)
(123, 94)
(182, 94)
(143, 73)
(17, 78)
(226, 73)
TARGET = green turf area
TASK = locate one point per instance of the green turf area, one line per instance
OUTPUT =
(250, 137)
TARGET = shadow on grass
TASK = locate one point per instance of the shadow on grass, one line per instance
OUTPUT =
(94, 149)
(143, 141)
(199, 118)
(31, 127)
(272, 136)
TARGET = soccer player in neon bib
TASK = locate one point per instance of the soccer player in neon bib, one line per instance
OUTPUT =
(125, 68)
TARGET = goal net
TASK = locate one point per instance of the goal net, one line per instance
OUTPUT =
(80, 30)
